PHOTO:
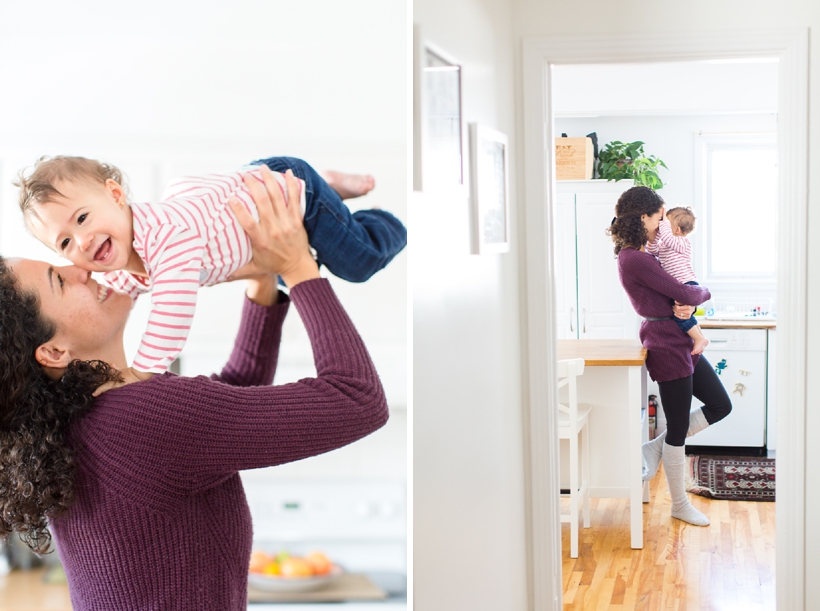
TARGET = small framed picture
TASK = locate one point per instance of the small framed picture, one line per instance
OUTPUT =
(489, 191)
(438, 133)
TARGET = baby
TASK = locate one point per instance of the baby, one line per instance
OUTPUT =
(78, 207)
(673, 248)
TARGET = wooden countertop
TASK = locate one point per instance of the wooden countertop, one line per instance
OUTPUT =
(603, 352)
(713, 323)
(26, 591)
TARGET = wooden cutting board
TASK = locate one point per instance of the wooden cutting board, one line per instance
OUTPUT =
(350, 586)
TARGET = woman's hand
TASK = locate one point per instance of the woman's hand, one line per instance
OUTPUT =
(279, 240)
(684, 312)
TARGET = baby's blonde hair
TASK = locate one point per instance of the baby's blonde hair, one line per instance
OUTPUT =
(38, 186)
(683, 218)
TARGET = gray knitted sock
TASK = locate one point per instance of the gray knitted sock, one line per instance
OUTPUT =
(697, 422)
(674, 464)
(652, 450)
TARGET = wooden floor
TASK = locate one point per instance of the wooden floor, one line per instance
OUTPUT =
(726, 566)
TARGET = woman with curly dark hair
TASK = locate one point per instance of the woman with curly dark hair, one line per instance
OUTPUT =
(656, 296)
(140, 485)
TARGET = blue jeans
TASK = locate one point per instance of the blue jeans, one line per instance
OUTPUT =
(352, 246)
(690, 322)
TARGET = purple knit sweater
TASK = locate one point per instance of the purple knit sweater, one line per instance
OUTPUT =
(650, 288)
(160, 520)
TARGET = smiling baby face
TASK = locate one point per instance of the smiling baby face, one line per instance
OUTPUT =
(87, 222)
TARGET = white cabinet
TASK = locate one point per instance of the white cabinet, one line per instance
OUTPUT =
(591, 304)
(739, 356)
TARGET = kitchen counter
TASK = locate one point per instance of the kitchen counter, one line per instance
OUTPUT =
(26, 591)
(603, 352)
(716, 323)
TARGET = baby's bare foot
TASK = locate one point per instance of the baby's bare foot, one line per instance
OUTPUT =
(349, 186)
(700, 345)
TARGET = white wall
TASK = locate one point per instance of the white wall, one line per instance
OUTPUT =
(671, 88)
(536, 18)
(162, 88)
(469, 509)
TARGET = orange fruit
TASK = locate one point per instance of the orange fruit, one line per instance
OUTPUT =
(319, 562)
(258, 561)
(295, 567)
(272, 568)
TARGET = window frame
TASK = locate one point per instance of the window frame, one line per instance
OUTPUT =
(705, 145)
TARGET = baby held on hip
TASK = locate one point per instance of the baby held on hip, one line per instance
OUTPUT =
(674, 250)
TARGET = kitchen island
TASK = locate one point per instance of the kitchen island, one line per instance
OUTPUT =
(614, 383)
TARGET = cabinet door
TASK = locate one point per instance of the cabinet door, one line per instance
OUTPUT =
(744, 371)
(604, 309)
(566, 271)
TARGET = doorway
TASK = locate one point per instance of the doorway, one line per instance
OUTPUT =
(790, 49)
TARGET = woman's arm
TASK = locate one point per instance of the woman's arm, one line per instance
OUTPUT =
(219, 429)
(648, 272)
(256, 347)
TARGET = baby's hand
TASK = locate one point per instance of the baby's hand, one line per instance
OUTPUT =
(129, 376)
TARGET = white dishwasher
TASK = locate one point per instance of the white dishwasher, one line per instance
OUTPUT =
(739, 358)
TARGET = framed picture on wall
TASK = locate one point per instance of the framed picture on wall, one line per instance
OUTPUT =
(489, 191)
(438, 131)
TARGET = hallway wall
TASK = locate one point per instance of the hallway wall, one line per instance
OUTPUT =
(469, 507)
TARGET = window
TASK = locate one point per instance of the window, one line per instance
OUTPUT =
(738, 204)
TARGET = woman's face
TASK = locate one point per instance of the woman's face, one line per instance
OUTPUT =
(89, 317)
(651, 222)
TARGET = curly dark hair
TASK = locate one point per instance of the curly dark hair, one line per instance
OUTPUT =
(627, 230)
(36, 464)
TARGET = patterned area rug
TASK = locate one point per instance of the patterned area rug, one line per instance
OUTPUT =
(731, 478)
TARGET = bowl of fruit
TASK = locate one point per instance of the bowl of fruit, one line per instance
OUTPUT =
(285, 572)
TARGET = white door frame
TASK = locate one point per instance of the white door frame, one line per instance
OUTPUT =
(791, 47)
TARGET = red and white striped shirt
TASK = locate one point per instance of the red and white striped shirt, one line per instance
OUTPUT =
(674, 252)
(188, 240)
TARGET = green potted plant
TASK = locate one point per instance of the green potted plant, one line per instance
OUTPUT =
(622, 160)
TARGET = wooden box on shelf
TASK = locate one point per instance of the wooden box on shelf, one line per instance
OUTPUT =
(573, 158)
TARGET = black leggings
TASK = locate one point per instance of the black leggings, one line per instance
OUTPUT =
(676, 398)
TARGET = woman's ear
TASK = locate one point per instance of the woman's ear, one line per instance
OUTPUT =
(52, 356)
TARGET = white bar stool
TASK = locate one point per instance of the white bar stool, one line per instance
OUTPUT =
(572, 425)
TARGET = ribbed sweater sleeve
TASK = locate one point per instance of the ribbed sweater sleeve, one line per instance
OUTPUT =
(195, 432)
(647, 271)
(256, 347)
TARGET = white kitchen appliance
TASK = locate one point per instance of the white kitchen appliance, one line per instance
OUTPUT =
(361, 525)
(739, 358)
